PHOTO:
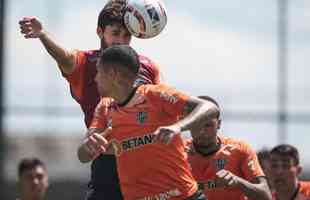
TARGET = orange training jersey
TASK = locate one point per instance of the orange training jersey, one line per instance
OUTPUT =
(84, 88)
(234, 156)
(303, 192)
(148, 170)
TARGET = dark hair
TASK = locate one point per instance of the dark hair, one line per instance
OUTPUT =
(263, 154)
(208, 98)
(286, 150)
(112, 13)
(29, 163)
(121, 56)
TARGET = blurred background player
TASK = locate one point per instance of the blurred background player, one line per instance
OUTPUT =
(32, 179)
(263, 156)
(225, 168)
(79, 69)
(285, 169)
(143, 124)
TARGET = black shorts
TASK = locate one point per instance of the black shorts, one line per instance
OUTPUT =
(104, 183)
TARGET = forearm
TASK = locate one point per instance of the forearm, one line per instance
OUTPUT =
(64, 58)
(259, 191)
(200, 113)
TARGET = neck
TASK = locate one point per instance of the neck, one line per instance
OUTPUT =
(288, 192)
(123, 95)
(209, 149)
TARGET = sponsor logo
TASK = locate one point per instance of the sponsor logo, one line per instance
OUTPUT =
(132, 143)
(153, 15)
(211, 184)
(164, 195)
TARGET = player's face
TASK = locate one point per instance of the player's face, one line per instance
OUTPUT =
(283, 171)
(103, 80)
(115, 34)
(207, 133)
(34, 183)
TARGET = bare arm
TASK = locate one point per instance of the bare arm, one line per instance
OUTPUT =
(195, 112)
(32, 28)
(257, 189)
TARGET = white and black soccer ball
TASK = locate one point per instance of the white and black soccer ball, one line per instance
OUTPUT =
(145, 18)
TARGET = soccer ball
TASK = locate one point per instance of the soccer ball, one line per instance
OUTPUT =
(145, 18)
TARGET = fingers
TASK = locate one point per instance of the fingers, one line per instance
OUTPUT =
(30, 27)
(106, 132)
(163, 135)
(225, 178)
(95, 144)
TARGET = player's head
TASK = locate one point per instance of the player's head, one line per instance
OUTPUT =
(285, 166)
(117, 68)
(32, 178)
(208, 132)
(110, 25)
(263, 156)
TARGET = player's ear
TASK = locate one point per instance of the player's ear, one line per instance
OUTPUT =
(299, 169)
(100, 31)
(219, 123)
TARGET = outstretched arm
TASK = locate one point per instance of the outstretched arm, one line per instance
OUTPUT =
(257, 189)
(195, 112)
(31, 27)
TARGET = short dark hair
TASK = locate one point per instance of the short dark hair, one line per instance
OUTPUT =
(29, 163)
(121, 55)
(263, 154)
(112, 13)
(286, 150)
(208, 98)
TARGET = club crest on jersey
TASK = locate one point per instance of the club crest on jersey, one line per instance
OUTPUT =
(220, 164)
(141, 117)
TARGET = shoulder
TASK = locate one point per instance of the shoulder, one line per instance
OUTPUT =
(145, 60)
(305, 188)
(91, 56)
(239, 146)
(148, 64)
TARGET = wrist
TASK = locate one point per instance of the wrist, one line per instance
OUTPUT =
(41, 34)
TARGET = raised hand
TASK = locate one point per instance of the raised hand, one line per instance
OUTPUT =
(31, 27)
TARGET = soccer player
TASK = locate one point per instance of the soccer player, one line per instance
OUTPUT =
(224, 167)
(143, 125)
(79, 69)
(32, 179)
(285, 168)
